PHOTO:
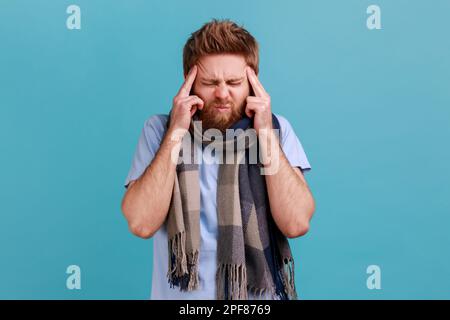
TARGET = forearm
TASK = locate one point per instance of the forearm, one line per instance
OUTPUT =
(291, 201)
(146, 202)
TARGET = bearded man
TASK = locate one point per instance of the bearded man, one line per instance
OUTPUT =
(220, 229)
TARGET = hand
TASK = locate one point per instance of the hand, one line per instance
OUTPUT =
(259, 105)
(184, 105)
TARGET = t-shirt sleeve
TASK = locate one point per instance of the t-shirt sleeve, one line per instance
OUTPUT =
(292, 146)
(148, 144)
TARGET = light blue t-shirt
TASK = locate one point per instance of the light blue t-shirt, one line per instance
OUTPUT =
(149, 143)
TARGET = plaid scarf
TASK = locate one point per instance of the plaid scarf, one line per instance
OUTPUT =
(252, 253)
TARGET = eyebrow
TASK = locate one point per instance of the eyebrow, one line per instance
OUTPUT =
(215, 80)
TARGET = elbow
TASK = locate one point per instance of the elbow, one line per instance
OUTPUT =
(140, 230)
(301, 227)
(136, 226)
(297, 230)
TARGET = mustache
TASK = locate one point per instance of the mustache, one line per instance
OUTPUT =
(222, 103)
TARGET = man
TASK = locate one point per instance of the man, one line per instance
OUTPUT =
(219, 229)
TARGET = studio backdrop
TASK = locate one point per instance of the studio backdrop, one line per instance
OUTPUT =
(364, 84)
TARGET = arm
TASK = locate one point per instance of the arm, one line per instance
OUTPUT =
(291, 202)
(146, 203)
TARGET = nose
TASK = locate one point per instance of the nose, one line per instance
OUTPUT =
(221, 92)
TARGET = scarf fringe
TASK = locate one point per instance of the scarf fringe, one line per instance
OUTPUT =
(288, 278)
(231, 279)
(259, 292)
(183, 268)
(193, 271)
(231, 282)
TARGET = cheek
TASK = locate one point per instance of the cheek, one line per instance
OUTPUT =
(241, 94)
(203, 93)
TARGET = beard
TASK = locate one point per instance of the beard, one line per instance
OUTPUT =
(211, 118)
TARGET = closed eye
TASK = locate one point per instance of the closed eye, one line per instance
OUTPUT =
(231, 82)
(208, 83)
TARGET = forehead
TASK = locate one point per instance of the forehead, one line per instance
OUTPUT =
(221, 66)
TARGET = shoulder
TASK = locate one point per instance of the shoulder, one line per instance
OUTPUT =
(153, 130)
(157, 122)
(286, 129)
(282, 120)
(155, 127)
(291, 145)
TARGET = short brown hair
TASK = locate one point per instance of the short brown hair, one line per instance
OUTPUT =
(220, 36)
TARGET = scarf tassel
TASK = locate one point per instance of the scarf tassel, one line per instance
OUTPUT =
(288, 278)
(259, 292)
(231, 282)
(183, 268)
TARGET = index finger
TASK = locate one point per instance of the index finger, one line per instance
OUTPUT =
(256, 85)
(187, 85)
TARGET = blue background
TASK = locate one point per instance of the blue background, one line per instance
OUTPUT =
(371, 107)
